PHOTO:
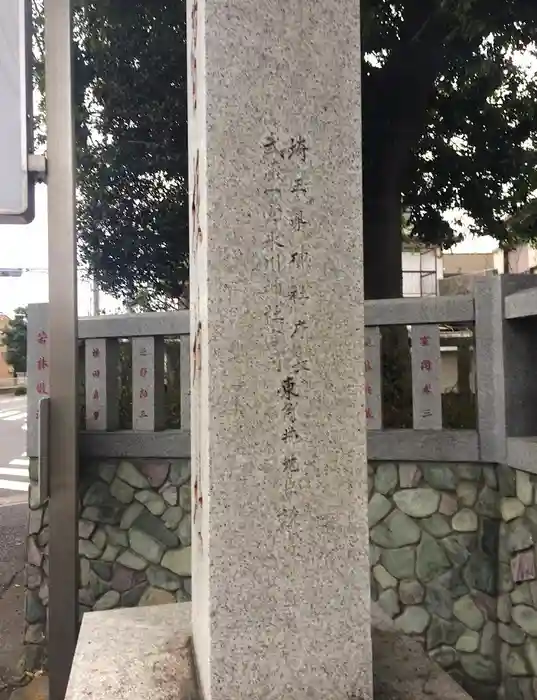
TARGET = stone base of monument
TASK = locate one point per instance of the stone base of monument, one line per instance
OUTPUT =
(146, 653)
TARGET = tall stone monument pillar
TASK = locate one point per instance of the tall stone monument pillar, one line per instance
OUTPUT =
(280, 541)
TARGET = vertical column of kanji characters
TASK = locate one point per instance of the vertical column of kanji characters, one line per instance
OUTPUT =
(426, 385)
(101, 368)
(373, 378)
(95, 367)
(295, 383)
(286, 260)
(147, 384)
(38, 369)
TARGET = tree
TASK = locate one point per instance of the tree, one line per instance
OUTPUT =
(449, 121)
(132, 140)
(14, 338)
(133, 145)
(131, 131)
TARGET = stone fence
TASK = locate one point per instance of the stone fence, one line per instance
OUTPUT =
(131, 367)
(453, 513)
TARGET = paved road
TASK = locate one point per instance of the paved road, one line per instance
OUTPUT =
(13, 524)
(13, 459)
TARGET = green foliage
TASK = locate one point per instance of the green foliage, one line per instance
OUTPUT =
(449, 122)
(132, 141)
(447, 82)
(130, 91)
(14, 337)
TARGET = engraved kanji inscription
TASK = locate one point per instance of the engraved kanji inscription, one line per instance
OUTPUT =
(298, 148)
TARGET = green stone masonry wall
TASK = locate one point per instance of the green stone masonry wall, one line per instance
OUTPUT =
(434, 538)
(134, 542)
(517, 601)
(453, 551)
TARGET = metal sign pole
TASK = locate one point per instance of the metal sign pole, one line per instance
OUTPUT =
(16, 133)
(63, 320)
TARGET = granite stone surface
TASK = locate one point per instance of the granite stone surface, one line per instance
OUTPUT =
(154, 660)
(280, 565)
(142, 653)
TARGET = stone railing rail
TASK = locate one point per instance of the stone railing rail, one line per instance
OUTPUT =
(500, 310)
(520, 383)
(427, 440)
(101, 336)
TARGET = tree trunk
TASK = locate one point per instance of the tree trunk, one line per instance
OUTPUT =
(464, 368)
(394, 114)
(383, 277)
(383, 280)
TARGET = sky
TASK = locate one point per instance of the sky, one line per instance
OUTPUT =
(25, 246)
(474, 244)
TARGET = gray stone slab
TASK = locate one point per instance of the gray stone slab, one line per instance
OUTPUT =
(184, 381)
(127, 444)
(521, 304)
(423, 445)
(519, 342)
(278, 414)
(490, 380)
(522, 454)
(132, 325)
(101, 370)
(95, 382)
(141, 653)
(426, 369)
(391, 312)
(147, 383)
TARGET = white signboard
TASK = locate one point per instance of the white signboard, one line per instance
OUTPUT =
(16, 197)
